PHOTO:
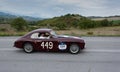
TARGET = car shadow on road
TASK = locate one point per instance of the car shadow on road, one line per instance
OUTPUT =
(47, 52)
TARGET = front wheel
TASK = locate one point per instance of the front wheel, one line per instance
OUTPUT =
(28, 48)
(74, 49)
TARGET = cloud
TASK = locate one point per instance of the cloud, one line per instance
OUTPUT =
(85, 3)
(87, 7)
(51, 8)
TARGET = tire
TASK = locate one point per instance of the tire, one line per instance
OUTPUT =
(74, 49)
(28, 48)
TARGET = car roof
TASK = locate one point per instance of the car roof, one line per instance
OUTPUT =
(41, 30)
(38, 30)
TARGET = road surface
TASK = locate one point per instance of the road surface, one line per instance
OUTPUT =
(102, 54)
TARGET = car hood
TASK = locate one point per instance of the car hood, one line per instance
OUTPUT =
(65, 36)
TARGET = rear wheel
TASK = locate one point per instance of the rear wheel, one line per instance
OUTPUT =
(28, 48)
(74, 49)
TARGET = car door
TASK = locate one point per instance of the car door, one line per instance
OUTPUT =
(47, 44)
(50, 44)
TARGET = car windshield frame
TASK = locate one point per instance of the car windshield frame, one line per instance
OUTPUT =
(53, 33)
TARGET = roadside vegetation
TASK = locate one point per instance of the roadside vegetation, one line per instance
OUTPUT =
(70, 24)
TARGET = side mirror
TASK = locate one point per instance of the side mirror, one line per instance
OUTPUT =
(52, 36)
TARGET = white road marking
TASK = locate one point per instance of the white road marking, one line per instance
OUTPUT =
(85, 50)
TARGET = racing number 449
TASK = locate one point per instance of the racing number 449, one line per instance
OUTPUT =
(48, 45)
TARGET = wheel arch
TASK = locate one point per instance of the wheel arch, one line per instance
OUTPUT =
(77, 43)
(27, 42)
(74, 44)
(70, 43)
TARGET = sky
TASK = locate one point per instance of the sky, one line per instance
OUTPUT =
(53, 8)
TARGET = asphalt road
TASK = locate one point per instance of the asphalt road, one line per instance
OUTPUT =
(102, 54)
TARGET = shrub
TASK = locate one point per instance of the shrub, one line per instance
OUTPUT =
(19, 24)
(3, 29)
(61, 26)
(90, 33)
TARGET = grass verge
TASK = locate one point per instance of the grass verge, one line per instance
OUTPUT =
(104, 31)
(12, 34)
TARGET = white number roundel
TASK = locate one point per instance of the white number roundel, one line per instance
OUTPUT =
(62, 46)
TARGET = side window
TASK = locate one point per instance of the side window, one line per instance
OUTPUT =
(40, 35)
(44, 36)
(35, 35)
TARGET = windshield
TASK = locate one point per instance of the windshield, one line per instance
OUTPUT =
(53, 33)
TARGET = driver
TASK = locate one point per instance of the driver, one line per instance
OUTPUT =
(42, 36)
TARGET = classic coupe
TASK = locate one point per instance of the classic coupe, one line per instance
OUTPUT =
(48, 40)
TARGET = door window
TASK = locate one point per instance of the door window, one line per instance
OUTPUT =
(35, 35)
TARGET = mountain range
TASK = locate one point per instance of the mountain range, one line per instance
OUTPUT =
(29, 18)
(110, 18)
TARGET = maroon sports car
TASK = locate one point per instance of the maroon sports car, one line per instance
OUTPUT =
(47, 40)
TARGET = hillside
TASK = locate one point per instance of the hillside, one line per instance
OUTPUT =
(62, 21)
(77, 21)
(67, 21)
